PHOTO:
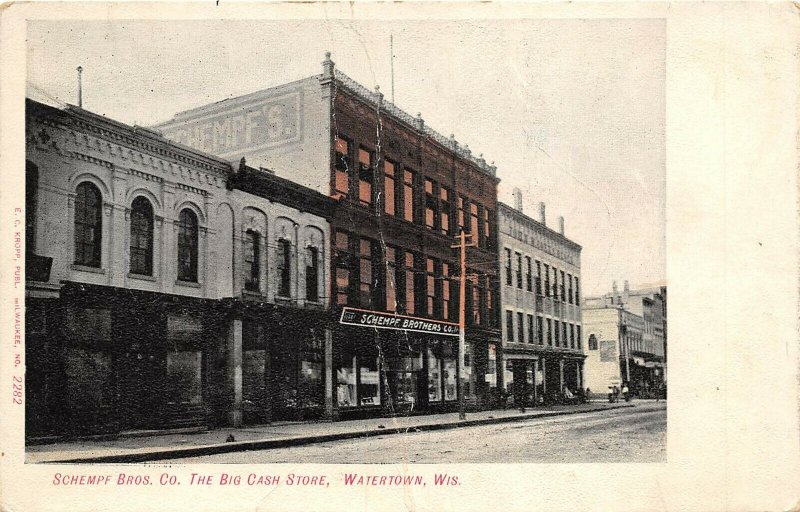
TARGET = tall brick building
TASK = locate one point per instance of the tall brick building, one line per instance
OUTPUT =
(403, 192)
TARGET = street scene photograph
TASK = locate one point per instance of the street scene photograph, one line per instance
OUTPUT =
(345, 241)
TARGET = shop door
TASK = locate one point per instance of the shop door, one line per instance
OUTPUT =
(142, 390)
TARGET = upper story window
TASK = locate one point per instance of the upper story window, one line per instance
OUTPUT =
(188, 230)
(444, 217)
(312, 274)
(252, 257)
(489, 303)
(538, 278)
(410, 288)
(430, 287)
(508, 266)
(365, 272)
(540, 330)
(520, 328)
(445, 291)
(342, 168)
(570, 295)
(519, 270)
(487, 226)
(391, 279)
(141, 237)
(546, 280)
(408, 195)
(473, 222)
(342, 242)
(555, 283)
(389, 205)
(509, 325)
(592, 341)
(284, 267)
(549, 332)
(366, 177)
(562, 288)
(577, 292)
(528, 276)
(430, 204)
(88, 225)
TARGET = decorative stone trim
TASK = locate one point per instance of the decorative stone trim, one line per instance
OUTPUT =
(142, 277)
(84, 268)
(187, 284)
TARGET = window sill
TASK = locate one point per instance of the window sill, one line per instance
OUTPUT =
(141, 277)
(84, 268)
(188, 284)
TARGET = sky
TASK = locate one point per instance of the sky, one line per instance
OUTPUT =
(570, 111)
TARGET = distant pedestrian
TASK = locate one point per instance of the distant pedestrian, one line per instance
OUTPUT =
(588, 395)
(625, 394)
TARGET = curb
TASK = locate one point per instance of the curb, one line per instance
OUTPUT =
(265, 444)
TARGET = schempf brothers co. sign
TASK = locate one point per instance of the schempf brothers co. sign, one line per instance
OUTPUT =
(247, 127)
(379, 320)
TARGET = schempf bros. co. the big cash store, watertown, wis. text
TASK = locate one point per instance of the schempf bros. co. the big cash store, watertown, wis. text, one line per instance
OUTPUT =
(282, 255)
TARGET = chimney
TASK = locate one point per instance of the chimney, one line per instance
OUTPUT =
(561, 225)
(517, 193)
(626, 290)
(327, 66)
(419, 123)
(614, 289)
(80, 86)
(378, 96)
(542, 217)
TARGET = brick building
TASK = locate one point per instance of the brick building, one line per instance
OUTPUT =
(540, 301)
(403, 191)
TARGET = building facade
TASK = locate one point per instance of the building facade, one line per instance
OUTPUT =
(403, 192)
(162, 283)
(626, 339)
(542, 352)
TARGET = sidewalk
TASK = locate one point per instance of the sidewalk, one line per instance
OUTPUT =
(278, 435)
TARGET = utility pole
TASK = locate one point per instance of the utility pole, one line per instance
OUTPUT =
(462, 245)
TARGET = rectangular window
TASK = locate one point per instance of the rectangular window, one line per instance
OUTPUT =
(510, 325)
(546, 280)
(391, 279)
(538, 278)
(430, 287)
(342, 169)
(487, 226)
(444, 220)
(252, 267)
(531, 330)
(571, 336)
(555, 283)
(445, 291)
(578, 335)
(489, 303)
(284, 268)
(430, 204)
(519, 270)
(557, 332)
(521, 327)
(409, 270)
(564, 338)
(477, 293)
(365, 273)
(570, 296)
(342, 271)
(528, 274)
(508, 267)
(562, 288)
(312, 274)
(540, 330)
(388, 187)
(408, 195)
(460, 213)
(473, 221)
(366, 177)
(549, 332)
(577, 293)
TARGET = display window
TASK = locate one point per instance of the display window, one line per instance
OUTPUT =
(346, 385)
(434, 377)
(449, 370)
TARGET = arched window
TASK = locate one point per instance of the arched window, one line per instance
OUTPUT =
(187, 246)
(88, 225)
(141, 237)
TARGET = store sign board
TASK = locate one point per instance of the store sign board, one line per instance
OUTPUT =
(380, 320)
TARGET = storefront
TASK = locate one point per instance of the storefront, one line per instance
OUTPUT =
(103, 359)
(393, 369)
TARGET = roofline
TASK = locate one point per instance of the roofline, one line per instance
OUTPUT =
(503, 206)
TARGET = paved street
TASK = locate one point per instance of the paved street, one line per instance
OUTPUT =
(622, 435)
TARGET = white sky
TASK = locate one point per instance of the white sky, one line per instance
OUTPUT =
(571, 111)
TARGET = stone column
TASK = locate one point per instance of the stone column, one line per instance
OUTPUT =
(233, 372)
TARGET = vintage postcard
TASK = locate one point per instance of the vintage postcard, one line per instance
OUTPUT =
(399, 256)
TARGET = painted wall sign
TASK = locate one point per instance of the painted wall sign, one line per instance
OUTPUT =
(380, 320)
(243, 128)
